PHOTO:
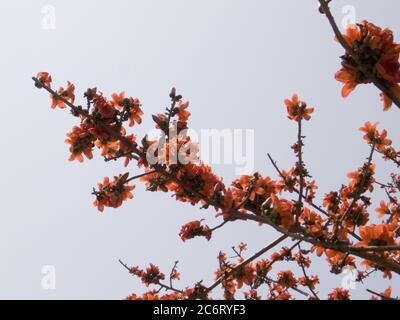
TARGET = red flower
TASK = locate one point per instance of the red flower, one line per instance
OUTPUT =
(286, 279)
(183, 114)
(253, 189)
(82, 143)
(262, 268)
(387, 102)
(197, 177)
(105, 109)
(113, 193)
(383, 210)
(375, 49)
(349, 81)
(244, 275)
(387, 293)
(313, 222)
(373, 136)
(331, 201)
(67, 94)
(338, 260)
(152, 275)
(44, 78)
(362, 179)
(297, 110)
(131, 105)
(282, 212)
(376, 235)
(339, 294)
(194, 229)
(310, 282)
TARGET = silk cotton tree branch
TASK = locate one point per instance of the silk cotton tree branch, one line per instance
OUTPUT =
(104, 124)
(221, 201)
(235, 215)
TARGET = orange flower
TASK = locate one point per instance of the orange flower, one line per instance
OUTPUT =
(134, 112)
(375, 49)
(339, 294)
(183, 114)
(118, 99)
(318, 250)
(66, 94)
(113, 149)
(372, 136)
(105, 109)
(253, 189)
(152, 275)
(352, 34)
(194, 229)
(312, 221)
(279, 293)
(113, 193)
(199, 178)
(282, 212)
(82, 143)
(361, 180)
(387, 102)
(286, 279)
(297, 110)
(310, 191)
(131, 105)
(338, 260)
(244, 275)
(310, 282)
(387, 293)
(376, 235)
(331, 201)
(356, 216)
(44, 78)
(349, 81)
(383, 210)
(252, 295)
(262, 268)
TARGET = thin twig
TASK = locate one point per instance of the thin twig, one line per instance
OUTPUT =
(162, 285)
(381, 296)
(301, 173)
(306, 275)
(362, 182)
(318, 208)
(246, 262)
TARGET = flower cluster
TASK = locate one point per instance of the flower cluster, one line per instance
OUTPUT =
(253, 190)
(130, 106)
(297, 109)
(113, 193)
(339, 294)
(339, 229)
(194, 229)
(380, 141)
(312, 222)
(151, 275)
(374, 51)
(376, 235)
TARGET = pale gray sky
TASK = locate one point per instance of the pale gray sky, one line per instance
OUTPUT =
(235, 60)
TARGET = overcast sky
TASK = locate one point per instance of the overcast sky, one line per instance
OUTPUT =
(235, 60)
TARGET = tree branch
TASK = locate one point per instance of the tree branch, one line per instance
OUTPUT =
(371, 74)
